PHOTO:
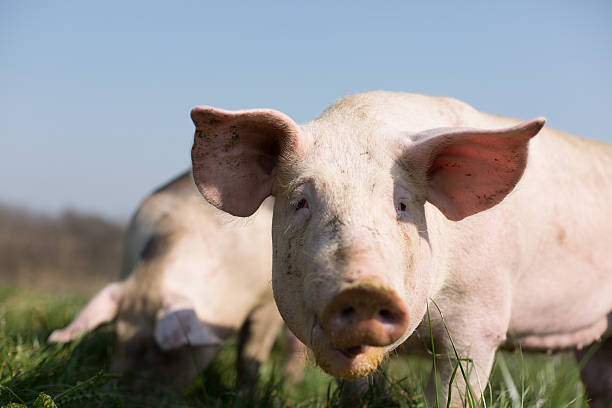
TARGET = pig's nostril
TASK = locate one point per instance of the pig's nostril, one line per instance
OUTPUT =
(387, 316)
(347, 314)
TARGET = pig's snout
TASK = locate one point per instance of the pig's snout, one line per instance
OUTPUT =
(364, 314)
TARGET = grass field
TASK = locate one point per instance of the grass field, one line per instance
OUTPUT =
(35, 374)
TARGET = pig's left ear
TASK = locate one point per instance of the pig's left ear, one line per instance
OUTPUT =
(470, 170)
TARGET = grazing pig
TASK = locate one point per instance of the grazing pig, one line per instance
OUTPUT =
(389, 201)
(191, 277)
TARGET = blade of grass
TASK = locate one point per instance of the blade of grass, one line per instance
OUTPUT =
(450, 385)
(468, 388)
(433, 352)
(2, 387)
(514, 395)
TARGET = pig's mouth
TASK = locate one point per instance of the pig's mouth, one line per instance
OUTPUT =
(345, 362)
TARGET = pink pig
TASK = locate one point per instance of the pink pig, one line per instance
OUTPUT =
(192, 276)
(390, 200)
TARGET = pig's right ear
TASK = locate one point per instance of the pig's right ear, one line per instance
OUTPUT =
(235, 154)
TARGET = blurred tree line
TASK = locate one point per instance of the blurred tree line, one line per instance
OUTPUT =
(71, 247)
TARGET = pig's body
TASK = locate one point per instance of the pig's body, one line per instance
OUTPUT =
(390, 199)
(191, 277)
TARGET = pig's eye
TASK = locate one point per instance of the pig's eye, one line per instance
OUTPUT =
(301, 204)
(400, 209)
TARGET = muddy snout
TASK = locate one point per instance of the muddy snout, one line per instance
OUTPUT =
(364, 314)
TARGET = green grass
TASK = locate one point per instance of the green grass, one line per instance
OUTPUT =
(34, 374)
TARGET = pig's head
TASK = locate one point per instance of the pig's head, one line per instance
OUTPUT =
(352, 259)
(167, 343)
(158, 337)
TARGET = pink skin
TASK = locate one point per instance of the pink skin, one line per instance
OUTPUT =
(352, 261)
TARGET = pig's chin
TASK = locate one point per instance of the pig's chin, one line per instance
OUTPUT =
(353, 362)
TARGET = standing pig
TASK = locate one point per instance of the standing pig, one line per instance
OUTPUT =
(389, 200)
(191, 277)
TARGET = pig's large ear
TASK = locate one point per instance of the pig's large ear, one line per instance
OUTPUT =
(102, 308)
(178, 325)
(235, 153)
(470, 170)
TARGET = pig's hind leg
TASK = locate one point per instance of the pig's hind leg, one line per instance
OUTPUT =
(597, 370)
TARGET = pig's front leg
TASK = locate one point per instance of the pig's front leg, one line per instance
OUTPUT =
(476, 366)
(255, 340)
(296, 358)
(475, 337)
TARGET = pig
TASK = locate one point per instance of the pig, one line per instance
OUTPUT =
(191, 276)
(389, 205)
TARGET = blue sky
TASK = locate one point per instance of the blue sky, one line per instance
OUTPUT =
(95, 96)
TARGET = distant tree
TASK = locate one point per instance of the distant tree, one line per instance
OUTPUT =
(68, 245)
